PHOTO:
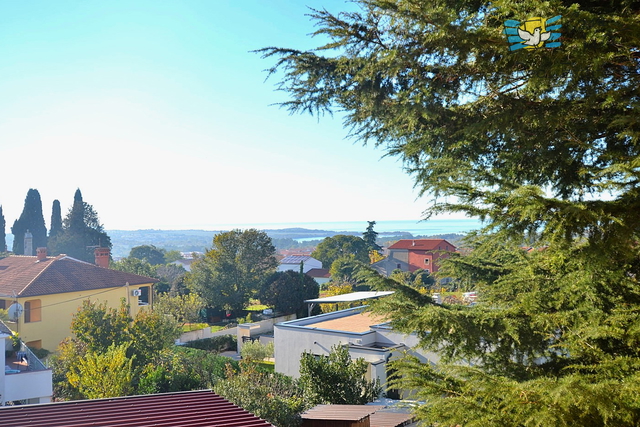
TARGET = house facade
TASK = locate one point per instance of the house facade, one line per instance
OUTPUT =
(414, 254)
(366, 335)
(45, 292)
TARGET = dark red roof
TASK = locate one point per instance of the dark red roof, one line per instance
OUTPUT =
(319, 272)
(423, 244)
(185, 409)
(25, 276)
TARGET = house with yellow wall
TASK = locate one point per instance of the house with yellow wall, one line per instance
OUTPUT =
(46, 292)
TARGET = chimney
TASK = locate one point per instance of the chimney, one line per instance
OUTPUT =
(102, 257)
(41, 253)
(28, 244)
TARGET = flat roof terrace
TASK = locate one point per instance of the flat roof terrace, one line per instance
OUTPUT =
(357, 322)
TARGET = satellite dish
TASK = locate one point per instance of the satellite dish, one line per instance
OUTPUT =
(15, 311)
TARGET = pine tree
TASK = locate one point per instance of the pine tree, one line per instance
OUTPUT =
(32, 220)
(3, 234)
(370, 236)
(56, 219)
(543, 145)
(81, 232)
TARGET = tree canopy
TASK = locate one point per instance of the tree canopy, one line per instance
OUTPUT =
(370, 236)
(81, 232)
(3, 233)
(541, 144)
(148, 253)
(286, 291)
(31, 220)
(332, 248)
(232, 271)
(336, 379)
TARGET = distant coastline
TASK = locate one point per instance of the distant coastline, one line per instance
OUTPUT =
(200, 239)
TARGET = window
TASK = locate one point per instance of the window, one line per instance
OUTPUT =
(427, 261)
(3, 304)
(32, 311)
(143, 299)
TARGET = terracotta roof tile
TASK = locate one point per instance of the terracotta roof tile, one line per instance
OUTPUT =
(25, 276)
(185, 409)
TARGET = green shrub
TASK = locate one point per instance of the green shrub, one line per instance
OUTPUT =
(216, 344)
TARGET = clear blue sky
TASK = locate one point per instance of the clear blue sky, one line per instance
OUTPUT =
(160, 114)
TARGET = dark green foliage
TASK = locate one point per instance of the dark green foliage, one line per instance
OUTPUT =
(135, 266)
(336, 379)
(334, 247)
(286, 292)
(543, 146)
(233, 270)
(271, 396)
(81, 232)
(148, 253)
(370, 236)
(346, 268)
(172, 279)
(56, 219)
(3, 233)
(31, 220)
(180, 369)
(216, 344)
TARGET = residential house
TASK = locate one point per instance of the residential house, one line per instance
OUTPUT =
(293, 262)
(201, 408)
(414, 254)
(48, 291)
(367, 336)
(24, 377)
(320, 275)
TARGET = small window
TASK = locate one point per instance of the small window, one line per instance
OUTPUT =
(398, 266)
(143, 299)
(32, 311)
(3, 304)
(427, 261)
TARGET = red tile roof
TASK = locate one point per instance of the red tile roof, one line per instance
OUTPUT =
(319, 272)
(422, 244)
(25, 276)
(185, 409)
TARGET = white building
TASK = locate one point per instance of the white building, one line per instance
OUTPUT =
(24, 377)
(293, 262)
(368, 336)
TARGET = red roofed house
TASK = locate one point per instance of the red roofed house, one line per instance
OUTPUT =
(414, 254)
(51, 289)
(183, 409)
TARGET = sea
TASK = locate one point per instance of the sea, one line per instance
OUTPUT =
(415, 227)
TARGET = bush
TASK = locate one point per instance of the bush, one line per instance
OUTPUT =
(216, 344)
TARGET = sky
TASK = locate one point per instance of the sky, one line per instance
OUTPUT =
(159, 112)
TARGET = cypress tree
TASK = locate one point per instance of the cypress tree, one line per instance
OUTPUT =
(81, 232)
(56, 219)
(31, 219)
(3, 235)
